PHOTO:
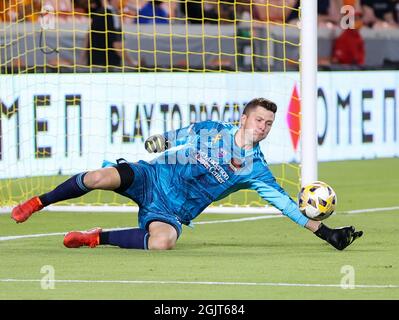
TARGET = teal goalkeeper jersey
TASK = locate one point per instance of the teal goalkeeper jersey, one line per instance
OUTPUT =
(203, 164)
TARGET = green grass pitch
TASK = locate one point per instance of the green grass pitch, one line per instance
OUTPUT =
(262, 259)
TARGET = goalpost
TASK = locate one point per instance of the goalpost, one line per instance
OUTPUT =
(60, 116)
(309, 91)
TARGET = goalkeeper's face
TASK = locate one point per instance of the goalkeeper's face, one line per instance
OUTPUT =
(257, 124)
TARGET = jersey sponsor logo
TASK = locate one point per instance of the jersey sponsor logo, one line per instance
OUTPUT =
(212, 166)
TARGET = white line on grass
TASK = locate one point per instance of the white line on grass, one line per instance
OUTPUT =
(135, 209)
(212, 210)
(7, 238)
(370, 210)
(171, 282)
(39, 235)
(239, 219)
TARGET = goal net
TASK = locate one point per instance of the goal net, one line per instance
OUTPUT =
(80, 84)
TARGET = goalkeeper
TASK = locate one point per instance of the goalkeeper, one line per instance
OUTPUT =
(197, 165)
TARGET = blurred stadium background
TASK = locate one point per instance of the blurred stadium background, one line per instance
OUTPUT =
(81, 83)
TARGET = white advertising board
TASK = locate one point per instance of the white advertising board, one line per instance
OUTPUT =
(69, 123)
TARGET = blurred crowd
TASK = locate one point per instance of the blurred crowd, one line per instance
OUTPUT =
(369, 13)
(105, 45)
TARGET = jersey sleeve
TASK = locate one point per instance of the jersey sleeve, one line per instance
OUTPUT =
(178, 137)
(273, 193)
(181, 136)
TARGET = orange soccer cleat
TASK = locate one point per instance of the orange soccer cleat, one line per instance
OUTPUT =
(76, 239)
(23, 211)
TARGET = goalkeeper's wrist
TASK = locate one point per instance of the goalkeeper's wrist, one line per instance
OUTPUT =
(323, 232)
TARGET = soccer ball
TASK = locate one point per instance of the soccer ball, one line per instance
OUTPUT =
(317, 200)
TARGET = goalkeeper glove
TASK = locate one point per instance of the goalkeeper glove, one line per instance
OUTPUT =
(156, 143)
(339, 238)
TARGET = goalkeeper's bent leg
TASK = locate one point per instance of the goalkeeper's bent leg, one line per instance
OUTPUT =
(163, 236)
(76, 186)
(160, 236)
(82, 183)
(134, 238)
(72, 188)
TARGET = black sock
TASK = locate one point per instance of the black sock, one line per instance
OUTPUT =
(129, 239)
(71, 188)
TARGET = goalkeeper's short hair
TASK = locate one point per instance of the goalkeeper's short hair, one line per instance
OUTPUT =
(260, 102)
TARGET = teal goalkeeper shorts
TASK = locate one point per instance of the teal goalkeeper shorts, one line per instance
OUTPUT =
(143, 191)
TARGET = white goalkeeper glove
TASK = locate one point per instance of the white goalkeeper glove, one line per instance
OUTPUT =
(156, 143)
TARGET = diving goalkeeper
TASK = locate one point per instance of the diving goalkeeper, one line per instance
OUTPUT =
(197, 165)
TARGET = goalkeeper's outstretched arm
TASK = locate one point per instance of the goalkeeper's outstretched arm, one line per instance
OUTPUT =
(161, 142)
(339, 238)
